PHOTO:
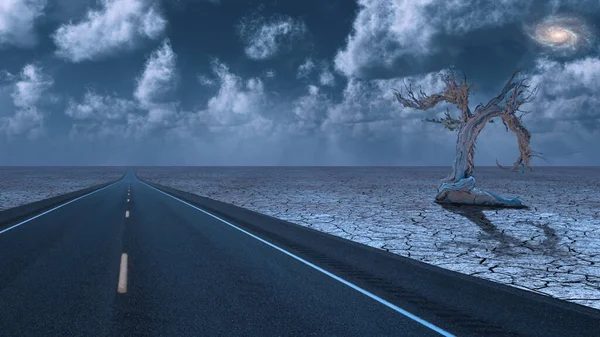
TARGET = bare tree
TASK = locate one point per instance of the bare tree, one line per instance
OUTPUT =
(459, 187)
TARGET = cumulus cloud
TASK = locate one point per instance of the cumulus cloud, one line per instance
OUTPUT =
(567, 99)
(117, 25)
(399, 36)
(148, 110)
(28, 118)
(237, 102)
(265, 38)
(98, 107)
(373, 100)
(157, 118)
(158, 77)
(17, 21)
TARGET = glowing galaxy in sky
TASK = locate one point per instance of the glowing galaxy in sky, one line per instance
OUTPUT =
(562, 34)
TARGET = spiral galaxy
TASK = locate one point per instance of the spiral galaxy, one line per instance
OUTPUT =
(563, 34)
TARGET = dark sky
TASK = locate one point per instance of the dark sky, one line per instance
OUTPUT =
(282, 82)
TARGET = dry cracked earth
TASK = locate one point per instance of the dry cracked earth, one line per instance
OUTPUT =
(553, 248)
(23, 185)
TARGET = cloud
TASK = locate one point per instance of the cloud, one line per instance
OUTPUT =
(98, 107)
(17, 21)
(265, 38)
(148, 111)
(567, 99)
(28, 118)
(310, 110)
(305, 68)
(326, 77)
(271, 73)
(365, 101)
(564, 108)
(396, 37)
(118, 25)
(206, 81)
(237, 102)
(158, 77)
(158, 118)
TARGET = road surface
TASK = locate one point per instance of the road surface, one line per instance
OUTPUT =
(131, 260)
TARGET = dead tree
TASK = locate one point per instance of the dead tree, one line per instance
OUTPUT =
(459, 187)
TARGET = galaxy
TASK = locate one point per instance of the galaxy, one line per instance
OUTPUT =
(562, 34)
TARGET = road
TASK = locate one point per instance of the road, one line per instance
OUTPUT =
(130, 260)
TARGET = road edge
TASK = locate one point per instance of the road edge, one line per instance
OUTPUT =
(12, 216)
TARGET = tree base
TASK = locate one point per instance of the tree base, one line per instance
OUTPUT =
(463, 192)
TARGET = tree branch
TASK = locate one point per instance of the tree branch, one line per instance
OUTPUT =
(455, 92)
(458, 93)
(448, 122)
(520, 95)
(510, 84)
(523, 138)
(420, 102)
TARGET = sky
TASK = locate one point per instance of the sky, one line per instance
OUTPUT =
(276, 82)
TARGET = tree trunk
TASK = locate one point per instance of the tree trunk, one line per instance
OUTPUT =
(468, 132)
(459, 187)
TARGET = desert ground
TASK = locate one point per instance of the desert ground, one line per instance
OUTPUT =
(23, 185)
(552, 248)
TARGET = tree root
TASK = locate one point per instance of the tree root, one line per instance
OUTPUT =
(463, 192)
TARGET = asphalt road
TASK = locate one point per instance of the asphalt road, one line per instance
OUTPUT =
(129, 260)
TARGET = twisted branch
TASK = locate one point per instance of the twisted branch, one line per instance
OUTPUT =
(520, 95)
(448, 122)
(505, 105)
(510, 84)
(456, 93)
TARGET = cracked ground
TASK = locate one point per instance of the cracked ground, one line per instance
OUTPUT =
(552, 248)
(23, 185)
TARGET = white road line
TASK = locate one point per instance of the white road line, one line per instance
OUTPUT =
(127, 200)
(127, 214)
(335, 277)
(55, 208)
(122, 285)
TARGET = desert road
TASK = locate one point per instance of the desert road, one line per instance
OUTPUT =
(131, 259)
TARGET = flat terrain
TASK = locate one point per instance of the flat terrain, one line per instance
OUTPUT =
(130, 259)
(552, 248)
(23, 185)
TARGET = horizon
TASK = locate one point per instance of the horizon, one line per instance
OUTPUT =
(374, 166)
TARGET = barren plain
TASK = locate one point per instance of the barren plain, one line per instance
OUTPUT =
(23, 185)
(552, 248)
